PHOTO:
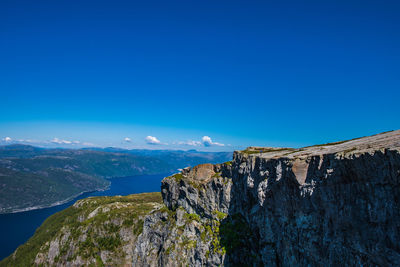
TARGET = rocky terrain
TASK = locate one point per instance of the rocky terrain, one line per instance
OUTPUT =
(335, 204)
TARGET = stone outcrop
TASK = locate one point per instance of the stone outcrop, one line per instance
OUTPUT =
(186, 231)
(202, 189)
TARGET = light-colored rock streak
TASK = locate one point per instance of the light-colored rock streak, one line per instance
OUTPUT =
(300, 168)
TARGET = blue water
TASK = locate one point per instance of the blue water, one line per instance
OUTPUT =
(17, 228)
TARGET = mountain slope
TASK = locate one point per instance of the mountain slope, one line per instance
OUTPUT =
(33, 177)
(93, 231)
(21, 190)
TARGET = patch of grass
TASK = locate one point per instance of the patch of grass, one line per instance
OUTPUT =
(169, 249)
(99, 261)
(328, 144)
(386, 132)
(212, 233)
(220, 215)
(227, 180)
(336, 143)
(138, 229)
(207, 254)
(109, 243)
(196, 185)
(192, 217)
(187, 243)
(178, 177)
(128, 222)
(203, 236)
(250, 151)
(216, 175)
(349, 150)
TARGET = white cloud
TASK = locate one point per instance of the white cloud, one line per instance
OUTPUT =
(127, 139)
(59, 141)
(67, 142)
(25, 141)
(7, 139)
(206, 140)
(88, 144)
(152, 140)
(193, 143)
(189, 143)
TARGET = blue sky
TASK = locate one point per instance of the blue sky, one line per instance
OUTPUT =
(268, 73)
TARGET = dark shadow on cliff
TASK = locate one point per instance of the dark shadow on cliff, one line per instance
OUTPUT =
(239, 242)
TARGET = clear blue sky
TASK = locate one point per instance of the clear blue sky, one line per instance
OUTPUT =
(270, 73)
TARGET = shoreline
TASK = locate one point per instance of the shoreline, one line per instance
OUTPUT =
(57, 203)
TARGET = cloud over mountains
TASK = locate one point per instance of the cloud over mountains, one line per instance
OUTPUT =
(205, 141)
(151, 140)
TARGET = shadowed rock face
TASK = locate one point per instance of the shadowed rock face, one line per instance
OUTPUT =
(329, 205)
(344, 210)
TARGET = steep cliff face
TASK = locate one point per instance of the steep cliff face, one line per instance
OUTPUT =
(335, 204)
(331, 209)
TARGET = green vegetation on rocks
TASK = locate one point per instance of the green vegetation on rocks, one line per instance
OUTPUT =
(178, 177)
(258, 150)
(81, 232)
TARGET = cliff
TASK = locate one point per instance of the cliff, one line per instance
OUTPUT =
(327, 205)
(335, 204)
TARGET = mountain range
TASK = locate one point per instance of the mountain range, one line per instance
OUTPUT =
(33, 177)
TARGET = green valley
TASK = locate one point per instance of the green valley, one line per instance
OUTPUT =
(32, 177)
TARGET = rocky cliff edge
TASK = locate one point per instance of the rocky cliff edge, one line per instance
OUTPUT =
(335, 204)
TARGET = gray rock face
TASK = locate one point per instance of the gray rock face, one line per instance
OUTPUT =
(329, 205)
(202, 189)
(174, 239)
(186, 231)
(344, 211)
